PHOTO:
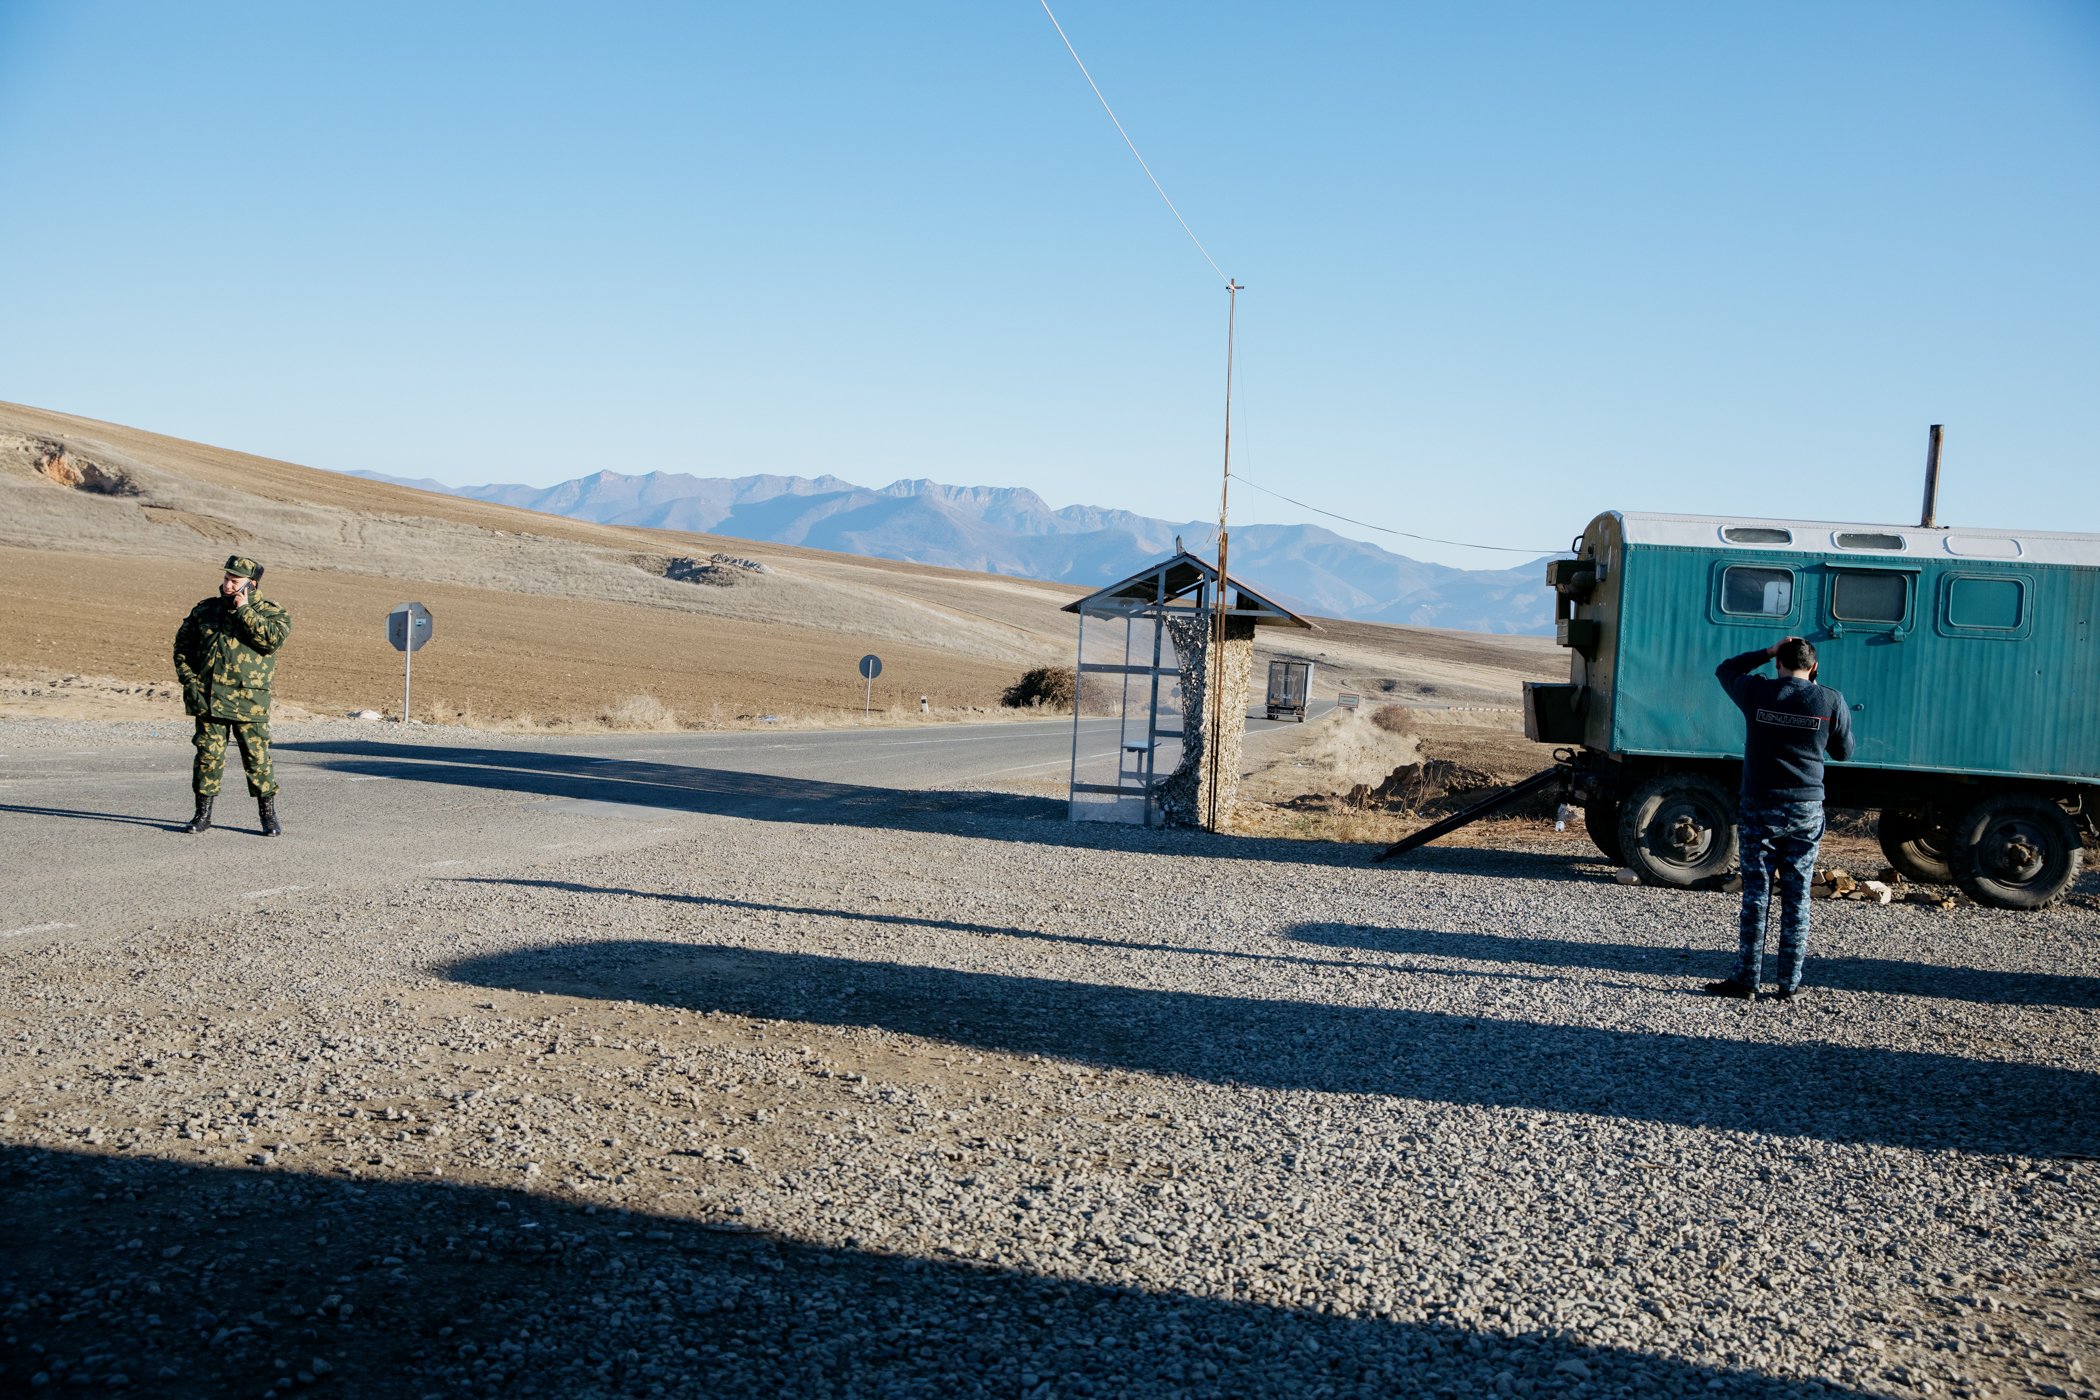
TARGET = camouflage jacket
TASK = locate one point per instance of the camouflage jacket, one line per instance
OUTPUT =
(226, 657)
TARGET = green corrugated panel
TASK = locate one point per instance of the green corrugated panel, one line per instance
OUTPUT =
(1933, 694)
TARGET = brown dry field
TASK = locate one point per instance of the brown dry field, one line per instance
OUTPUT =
(540, 619)
(496, 656)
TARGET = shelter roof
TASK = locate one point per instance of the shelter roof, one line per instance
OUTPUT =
(1176, 577)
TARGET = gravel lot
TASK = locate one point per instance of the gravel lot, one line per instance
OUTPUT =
(983, 1103)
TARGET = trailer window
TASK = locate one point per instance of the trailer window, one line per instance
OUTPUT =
(1991, 604)
(1756, 534)
(1859, 596)
(1747, 591)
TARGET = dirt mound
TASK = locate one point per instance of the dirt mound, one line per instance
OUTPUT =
(1415, 787)
(716, 571)
(1435, 787)
(62, 467)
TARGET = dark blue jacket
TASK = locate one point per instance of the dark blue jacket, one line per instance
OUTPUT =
(1789, 725)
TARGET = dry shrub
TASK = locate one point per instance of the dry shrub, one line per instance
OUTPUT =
(1045, 687)
(1394, 719)
(640, 712)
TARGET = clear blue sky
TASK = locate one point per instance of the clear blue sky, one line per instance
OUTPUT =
(1506, 264)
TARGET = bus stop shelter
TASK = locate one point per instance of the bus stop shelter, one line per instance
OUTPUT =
(1144, 681)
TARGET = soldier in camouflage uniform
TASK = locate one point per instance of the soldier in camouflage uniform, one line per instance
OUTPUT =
(226, 656)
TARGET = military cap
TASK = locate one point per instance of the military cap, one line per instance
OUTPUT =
(240, 566)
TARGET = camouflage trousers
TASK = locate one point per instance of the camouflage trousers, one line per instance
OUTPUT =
(1780, 840)
(253, 736)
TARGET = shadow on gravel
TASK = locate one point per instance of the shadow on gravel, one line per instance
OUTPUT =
(1835, 1093)
(1890, 976)
(418, 1288)
(677, 787)
(997, 816)
(708, 901)
(122, 818)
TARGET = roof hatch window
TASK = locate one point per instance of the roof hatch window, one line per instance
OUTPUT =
(1867, 539)
(1984, 546)
(1756, 534)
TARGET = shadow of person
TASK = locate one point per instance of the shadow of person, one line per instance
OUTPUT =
(1892, 976)
(916, 921)
(121, 818)
(1836, 1093)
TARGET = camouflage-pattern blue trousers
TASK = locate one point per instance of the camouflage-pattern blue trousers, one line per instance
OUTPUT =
(253, 736)
(1779, 847)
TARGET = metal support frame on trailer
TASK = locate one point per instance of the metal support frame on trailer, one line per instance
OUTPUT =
(1558, 774)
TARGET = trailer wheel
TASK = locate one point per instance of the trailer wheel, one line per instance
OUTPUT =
(2017, 851)
(1601, 820)
(1678, 830)
(1915, 846)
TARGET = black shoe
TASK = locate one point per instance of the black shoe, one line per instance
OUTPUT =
(202, 821)
(268, 807)
(1731, 988)
(1789, 993)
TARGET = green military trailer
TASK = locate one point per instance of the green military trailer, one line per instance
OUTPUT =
(1969, 657)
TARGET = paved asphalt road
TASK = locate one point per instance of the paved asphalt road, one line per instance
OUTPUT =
(89, 822)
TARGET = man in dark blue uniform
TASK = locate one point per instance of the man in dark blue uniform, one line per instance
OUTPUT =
(1790, 725)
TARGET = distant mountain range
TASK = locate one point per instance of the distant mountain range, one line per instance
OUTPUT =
(1011, 530)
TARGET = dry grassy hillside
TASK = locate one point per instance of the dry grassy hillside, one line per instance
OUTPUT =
(108, 534)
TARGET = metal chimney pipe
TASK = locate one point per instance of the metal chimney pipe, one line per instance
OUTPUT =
(1932, 479)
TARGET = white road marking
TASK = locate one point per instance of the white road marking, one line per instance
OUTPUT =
(84, 777)
(364, 778)
(1064, 762)
(274, 889)
(35, 928)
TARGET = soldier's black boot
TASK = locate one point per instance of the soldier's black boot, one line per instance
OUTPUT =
(202, 821)
(268, 807)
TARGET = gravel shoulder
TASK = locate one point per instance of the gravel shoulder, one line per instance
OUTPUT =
(980, 1102)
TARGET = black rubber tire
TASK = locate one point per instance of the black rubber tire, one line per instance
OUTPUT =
(1922, 851)
(1601, 820)
(2016, 851)
(1678, 829)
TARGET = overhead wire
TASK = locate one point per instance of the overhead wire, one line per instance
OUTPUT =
(1167, 200)
(1386, 529)
(1133, 146)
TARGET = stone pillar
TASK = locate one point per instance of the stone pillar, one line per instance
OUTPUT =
(1185, 795)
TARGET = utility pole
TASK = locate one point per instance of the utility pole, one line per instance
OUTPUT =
(1215, 670)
